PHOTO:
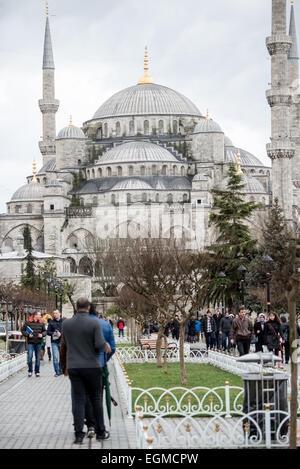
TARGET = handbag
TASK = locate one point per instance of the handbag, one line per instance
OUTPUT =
(280, 344)
(254, 340)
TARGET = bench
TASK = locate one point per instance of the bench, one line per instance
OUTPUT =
(150, 344)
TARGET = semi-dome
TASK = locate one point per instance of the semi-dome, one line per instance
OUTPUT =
(247, 159)
(131, 184)
(207, 126)
(227, 142)
(138, 152)
(71, 131)
(29, 192)
(49, 166)
(147, 99)
(252, 185)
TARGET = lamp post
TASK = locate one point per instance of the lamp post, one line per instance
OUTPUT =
(268, 262)
(222, 275)
(243, 271)
(10, 312)
(5, 315)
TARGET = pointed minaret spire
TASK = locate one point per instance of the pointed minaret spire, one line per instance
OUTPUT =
(293, 54)
(48, 105)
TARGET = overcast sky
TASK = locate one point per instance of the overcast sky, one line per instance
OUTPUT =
(212, 51)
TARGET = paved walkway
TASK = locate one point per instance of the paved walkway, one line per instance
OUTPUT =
(36, 413)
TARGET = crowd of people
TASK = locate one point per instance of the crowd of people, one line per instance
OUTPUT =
(81, 348)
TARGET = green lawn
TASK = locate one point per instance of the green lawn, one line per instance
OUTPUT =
(147, 375)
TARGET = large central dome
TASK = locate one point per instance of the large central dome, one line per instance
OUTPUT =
(147, 99)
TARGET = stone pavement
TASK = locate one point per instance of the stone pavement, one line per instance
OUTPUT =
(35, 413)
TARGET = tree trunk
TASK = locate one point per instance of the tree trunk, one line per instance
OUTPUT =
(165, 355)
(158, 348)
(294, 368)
(181, 355)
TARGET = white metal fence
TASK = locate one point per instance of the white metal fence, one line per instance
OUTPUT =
(12, 365)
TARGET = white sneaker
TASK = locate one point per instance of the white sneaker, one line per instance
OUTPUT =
(29, 375)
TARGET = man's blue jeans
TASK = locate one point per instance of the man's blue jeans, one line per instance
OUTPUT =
(121, 332)
(55, 352)
(226, 344)
(34, 348)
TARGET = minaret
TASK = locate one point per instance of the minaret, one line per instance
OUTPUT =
(48, 105)
(281, 149)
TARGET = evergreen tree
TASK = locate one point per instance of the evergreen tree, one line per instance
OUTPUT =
(28, 277)
(234, 244)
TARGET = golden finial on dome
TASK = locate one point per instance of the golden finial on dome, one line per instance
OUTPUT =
(145, 79)
(207, 115)
(71, 121)
(34, 179)
(292, 2)
(47, 9)
(239, 171)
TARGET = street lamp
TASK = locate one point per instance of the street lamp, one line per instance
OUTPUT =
(268, 261)
(3, 309)
(10, 312)
(243, 271)
(222, 275)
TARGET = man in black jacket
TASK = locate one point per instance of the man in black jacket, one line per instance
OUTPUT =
(225, 327)
(84, 340)
(209, 328)
(217, 318)
(35, 338)
(54, 330)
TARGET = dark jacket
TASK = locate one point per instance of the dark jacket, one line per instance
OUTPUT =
(217, 319)
(241, 328)
(192, 327)
(53, 326)
(84, 340)
(273, 334)
(38, 327)
(225, 324)
(260, 332)
(204, 325)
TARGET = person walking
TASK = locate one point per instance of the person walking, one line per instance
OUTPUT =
(192, 329)
(104, 359)
(175, 329)
(48, 346)
(197, 329)
(120, 326)
(273, 335)
(209, 329)
(225, 327)
(83, 338)
(285, 334)
(54, 330)
(217, 318)
(242, 329)
(259, 331)
(34, 329)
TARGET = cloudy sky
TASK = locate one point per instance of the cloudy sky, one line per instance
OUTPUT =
(212, 51)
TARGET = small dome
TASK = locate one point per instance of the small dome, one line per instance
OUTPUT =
(29, 192)
(137, 152)
(207, 126)
(247, 159)
(253, 186)
(131, 184)
(228, 142)
(147, 99)
(70, 132)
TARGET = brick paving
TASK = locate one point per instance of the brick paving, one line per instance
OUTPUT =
(36, 414)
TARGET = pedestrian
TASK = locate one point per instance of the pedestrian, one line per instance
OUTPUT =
(120, 326)
(175, 329)
(54, 331)
(209, 329)
(197, 329)
(217, 318)
(104, 359)
(285, 334)
(225, 327)
(192, 329)
(34, 329)
(273, 334)
(259, 331)
(242, 329)
(83, 339)
(48, 346)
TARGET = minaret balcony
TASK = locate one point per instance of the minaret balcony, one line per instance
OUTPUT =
(49, 106)
(282, 148)
(47, 147)
(279, 97)
(279, 44)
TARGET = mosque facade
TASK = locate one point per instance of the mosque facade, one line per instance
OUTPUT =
(144, 165)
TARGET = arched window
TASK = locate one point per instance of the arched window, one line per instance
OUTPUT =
(39, 246)
(128, 197)
(86, 267)
(88, 174)
(164, 170)
(105, 130)
(146, 127)
(144, 197)
(182, 171)
(131, 127)
(73, 266)
(95, 201)
(154, 170)
(73, 242)
(157, 198)
(161, 127)
(29, 208)
(130, 170)
(118, 129)
(79, 162)
(99, 172)
(120, 171)
(185, 198)
(174, 170)
(113, 199)
(8, 245)
(263, 201)
(143, 170)
(170, 198)
(98, 269)
(175, 127)
(93, 174)
(44, 180)
(108, 171)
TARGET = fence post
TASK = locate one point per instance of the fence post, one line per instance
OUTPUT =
(227, 400)
(268, 426)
